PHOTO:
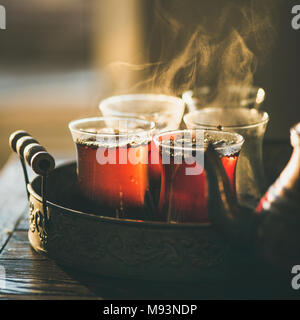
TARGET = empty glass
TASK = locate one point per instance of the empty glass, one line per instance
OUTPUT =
(183, 196)
(251, 124)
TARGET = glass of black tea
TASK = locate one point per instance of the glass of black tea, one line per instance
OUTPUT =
(183, 195)
(112, 163)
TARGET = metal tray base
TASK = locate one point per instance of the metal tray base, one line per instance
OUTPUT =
(114, 247)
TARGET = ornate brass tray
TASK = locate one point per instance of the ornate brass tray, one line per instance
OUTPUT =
(65, 227)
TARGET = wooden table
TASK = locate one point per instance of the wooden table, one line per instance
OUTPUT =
(29, 275)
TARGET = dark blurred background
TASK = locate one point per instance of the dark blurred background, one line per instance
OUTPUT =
(58, 57)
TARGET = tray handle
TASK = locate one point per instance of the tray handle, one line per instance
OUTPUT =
(40, 161)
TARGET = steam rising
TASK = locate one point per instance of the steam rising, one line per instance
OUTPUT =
(207, 43)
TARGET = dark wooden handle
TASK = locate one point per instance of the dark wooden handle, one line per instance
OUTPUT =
(29, 149)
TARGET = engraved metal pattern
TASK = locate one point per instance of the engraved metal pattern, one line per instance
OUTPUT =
(31, 217)
(38, 223)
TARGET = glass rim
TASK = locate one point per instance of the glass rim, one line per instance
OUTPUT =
(103, 104)
(265, 118)
(252, 88)
(73, 123)
(238, 143)
(189, 95)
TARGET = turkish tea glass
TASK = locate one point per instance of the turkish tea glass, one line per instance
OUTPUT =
(184, 191)
(112, 160)
(251, 124)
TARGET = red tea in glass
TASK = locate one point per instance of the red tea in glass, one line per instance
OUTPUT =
(183, 196)
(112, 163)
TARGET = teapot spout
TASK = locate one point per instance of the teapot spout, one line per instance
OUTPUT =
(238, 224)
